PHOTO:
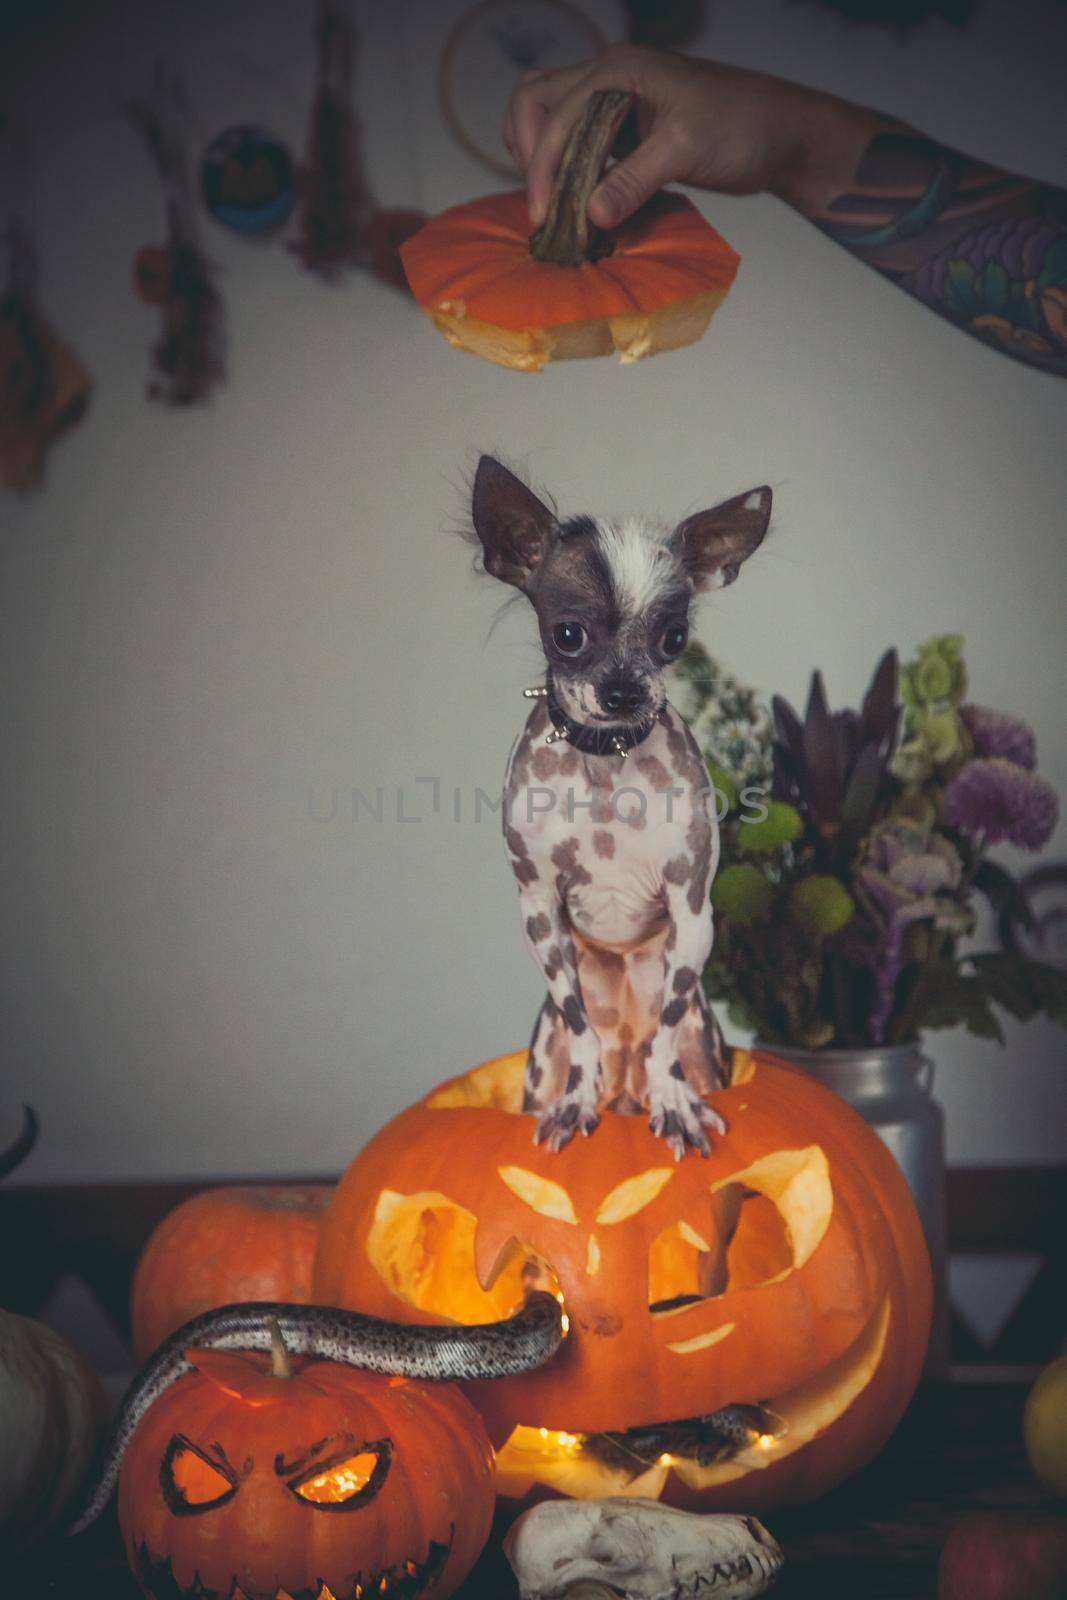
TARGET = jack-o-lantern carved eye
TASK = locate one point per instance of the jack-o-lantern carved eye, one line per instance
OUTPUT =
(423, 1247)
(632, 1195)
(343, 1480)
(191, 1481)
(766, 1221)
(542, 1195)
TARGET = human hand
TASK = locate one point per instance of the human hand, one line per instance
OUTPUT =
(699, 122)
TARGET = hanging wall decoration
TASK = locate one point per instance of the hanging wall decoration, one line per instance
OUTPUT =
(334, 202)
(490, 44)
(340, 225)
(188, 359)
(246, 180)
(43, 386)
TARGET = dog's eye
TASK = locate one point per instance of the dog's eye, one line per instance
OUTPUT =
(568, 637)
(673, 641)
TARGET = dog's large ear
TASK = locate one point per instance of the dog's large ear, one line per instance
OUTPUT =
(516, 529)
(712, 544)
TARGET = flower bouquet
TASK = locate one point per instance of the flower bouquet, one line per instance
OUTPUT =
(855, 846)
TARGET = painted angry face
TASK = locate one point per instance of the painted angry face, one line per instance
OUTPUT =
(325, 1484)
(782, 1281)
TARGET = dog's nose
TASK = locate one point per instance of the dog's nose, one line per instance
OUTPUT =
(621, 697)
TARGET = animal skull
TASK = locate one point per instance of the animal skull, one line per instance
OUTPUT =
(641, 1550)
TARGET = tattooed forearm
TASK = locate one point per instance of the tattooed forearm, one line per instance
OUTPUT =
(981, 247)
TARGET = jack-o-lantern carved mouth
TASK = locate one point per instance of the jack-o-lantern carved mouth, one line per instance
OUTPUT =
(702, 1451)
(406, 1582)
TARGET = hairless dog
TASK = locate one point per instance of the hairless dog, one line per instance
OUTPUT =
(609, 814)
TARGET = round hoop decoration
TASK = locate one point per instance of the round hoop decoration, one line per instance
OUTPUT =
(246, 179)
(489, 39)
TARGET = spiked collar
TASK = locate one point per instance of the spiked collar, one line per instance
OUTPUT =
(592, 739)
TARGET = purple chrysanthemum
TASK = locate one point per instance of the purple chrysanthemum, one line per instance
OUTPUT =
(907, 874)
(996, 734)
(995, 799)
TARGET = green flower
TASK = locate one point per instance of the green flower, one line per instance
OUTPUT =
(933, 739)
(941, 730)
(914, 807)
(782, 824)
(742, 893)
(912, 763)
(940, 672)
(933, 679)
(931, 688)
(818, 1035)
(821, 905)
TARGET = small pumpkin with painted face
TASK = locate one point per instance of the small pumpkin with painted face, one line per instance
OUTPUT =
(257, 1477)
(744, 1330)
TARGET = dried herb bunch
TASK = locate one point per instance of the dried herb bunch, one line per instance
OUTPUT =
(188, 359)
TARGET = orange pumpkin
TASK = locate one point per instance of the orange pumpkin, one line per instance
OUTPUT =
(225, 1245)
(474, 271)
(786, 1272)
(259, 1477)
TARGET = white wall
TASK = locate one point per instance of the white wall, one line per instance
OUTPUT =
(208, 617)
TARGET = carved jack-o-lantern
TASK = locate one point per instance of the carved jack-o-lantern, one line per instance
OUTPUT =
(780, 1288)
(254, 1477)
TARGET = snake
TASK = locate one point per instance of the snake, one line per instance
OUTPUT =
(440, 1352)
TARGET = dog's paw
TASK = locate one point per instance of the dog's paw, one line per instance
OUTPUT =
(559, 1123)
(681, 1117)
(576, 1109)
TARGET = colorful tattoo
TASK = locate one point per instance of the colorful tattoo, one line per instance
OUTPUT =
(983, 248)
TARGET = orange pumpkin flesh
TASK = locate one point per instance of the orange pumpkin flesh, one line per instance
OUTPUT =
(788, 1269)
(241, 1483)
(472, 272)
(241, 1243)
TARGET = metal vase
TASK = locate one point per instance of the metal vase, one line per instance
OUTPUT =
(890, 1086)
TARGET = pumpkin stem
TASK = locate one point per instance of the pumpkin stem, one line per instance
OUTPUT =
(566, 236)
(280, 1364)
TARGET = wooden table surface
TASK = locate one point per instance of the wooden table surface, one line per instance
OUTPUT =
(958, 1449)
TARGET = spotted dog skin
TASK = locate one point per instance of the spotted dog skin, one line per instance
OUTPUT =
(614, 878)
(614, 853)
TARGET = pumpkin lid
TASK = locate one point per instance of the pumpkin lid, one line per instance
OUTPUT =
(477, 255)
